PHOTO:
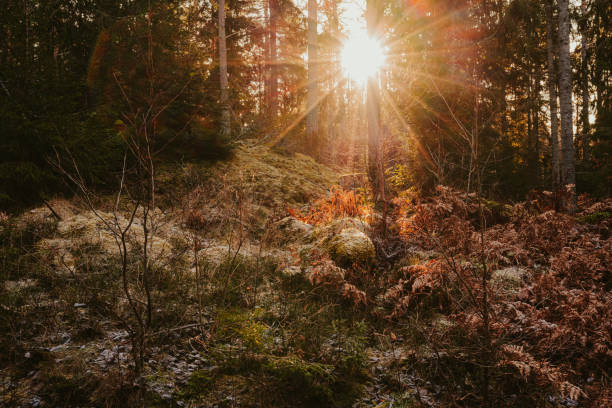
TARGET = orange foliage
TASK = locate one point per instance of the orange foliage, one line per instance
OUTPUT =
(556, 330)
(339, 203)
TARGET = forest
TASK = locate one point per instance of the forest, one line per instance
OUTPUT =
(306, 203)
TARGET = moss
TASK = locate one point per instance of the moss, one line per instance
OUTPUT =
(286, 381)
(300, 384)
(405, 401)
(595, 218)
(65, 391)
(351, 246)
(499, 212)
(237, 324)
(281, 179)
(344, 239)
(290, 381)
(199, 382)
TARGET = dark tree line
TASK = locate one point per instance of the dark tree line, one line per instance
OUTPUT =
(487, 82)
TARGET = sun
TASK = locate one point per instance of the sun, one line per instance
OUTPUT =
(362, 56)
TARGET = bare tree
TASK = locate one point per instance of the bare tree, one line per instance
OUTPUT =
(135, 198)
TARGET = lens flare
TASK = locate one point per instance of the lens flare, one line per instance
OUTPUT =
(362, 56)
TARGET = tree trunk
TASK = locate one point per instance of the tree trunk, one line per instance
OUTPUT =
(584, 84)
(552, 92)
(274, 11)
(530, 130)
(334, 119)
(536, 128)
(373, 113)
(266, 75)
(313, 86)
(568, 172)
(224, 99)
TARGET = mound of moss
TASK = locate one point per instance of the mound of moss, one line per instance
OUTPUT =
(276, 177)
(351, 246)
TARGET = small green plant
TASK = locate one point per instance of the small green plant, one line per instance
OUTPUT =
(199, 382)
(244, 326)
(595, 218)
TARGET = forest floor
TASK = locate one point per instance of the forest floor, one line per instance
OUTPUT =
(274, 287)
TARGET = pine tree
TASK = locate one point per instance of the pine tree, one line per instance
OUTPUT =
(568, 172)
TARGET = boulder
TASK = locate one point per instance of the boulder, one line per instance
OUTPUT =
(350, 246)
(293, 229)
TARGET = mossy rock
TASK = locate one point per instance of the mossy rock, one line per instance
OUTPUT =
(351, 246)
(338, 225)
(345, 240)
(293, 229)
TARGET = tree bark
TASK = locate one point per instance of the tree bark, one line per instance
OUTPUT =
(334, 118)
(584, 84)
(373, 112)
(266, 54)
(274, 12)
(313, 86)
(224, 99)
(568, 172)
(536, 128)
(552, 92)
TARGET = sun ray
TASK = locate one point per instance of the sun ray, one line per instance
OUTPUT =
(303, 114)
(362, 57)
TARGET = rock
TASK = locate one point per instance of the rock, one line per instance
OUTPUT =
(350, 246)
(291, 271)
(107, 356)
(35, 401)
(345, 240)
(349, 222)
(294, 227)
(16, 286)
